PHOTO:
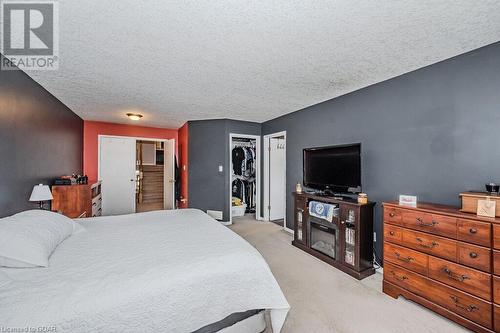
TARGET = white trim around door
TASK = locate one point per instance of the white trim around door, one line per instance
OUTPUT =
(257, 173)
(167, 178)
(266, 191)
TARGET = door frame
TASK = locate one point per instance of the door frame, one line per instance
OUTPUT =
(165, 180)
(267, 175)
(257, 173)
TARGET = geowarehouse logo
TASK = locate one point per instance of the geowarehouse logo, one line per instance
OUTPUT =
(29, 34)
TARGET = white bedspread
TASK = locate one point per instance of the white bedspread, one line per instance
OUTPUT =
(164, 271)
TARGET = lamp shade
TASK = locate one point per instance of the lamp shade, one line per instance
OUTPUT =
(41, 193)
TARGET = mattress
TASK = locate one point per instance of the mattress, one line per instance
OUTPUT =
(169, 271)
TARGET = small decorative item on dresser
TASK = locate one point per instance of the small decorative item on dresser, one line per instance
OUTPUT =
(486, 207)
(408, 200)
(298, 188)
(493, 188)
(470, 201)
(362, 198)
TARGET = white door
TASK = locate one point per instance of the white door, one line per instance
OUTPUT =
(117, 172)
(277, 191)
(169, 175)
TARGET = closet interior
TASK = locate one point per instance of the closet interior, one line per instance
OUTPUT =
(244, 171)
(149, 175)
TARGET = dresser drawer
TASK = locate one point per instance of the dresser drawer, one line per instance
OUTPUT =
(393, 215)
(474, 232)
(392, 234)
(463, 278)
(405, 279)
(496, 236)
(496, 289)
(466, 305)
(410, 259)
(430, 244)
(474, 256)
(431, 223)
(496, 262)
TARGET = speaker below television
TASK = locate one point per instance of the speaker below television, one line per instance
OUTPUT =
(334, 170)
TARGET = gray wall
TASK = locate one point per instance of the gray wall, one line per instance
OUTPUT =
(40, 139)
(209, 148)
(432, 132)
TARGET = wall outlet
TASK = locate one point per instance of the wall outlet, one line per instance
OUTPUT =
(374, 237)
(216, 214)
(221, 168)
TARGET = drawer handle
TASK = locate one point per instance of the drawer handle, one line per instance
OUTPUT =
(423, 224)
(473, 230)
(400, 278)
(454, 276)
(426, 246)
(391, 233)
(404, 259)
(468, 308)
(473, 255)
(392, 214)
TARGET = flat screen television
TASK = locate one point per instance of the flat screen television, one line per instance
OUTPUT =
(333, 169)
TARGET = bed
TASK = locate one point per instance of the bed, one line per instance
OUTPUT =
(162, 271)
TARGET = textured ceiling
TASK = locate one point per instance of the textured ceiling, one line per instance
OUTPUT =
(250, 60)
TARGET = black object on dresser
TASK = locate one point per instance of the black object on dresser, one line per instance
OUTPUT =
(345, 243)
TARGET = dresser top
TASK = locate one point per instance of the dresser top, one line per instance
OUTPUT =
(443, 209)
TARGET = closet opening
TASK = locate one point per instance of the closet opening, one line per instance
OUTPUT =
(244, 176)
(150, 185)
(138, 173)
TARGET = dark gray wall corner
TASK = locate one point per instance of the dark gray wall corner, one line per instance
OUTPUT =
(40, 139)
(432, 132)
(208, 148)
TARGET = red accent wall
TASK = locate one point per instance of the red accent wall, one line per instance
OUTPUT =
(91, 130)
(183, 164)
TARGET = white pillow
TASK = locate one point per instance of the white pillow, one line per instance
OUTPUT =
(28, 239)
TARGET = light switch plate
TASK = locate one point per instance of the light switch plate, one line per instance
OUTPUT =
(221, 168)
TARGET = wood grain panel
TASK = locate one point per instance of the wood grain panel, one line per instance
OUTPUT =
(452, 299)
(474, 256)
(474, 232)
(410, 259)
(467, 279)
(430, 244)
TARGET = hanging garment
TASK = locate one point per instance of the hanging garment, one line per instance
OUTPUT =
(238, 155)
(238, 189)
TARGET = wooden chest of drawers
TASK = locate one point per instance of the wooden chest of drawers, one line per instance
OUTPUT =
(445, 260)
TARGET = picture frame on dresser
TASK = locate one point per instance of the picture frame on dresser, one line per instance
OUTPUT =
(445, 260)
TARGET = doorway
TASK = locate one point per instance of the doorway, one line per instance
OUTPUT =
(137, 174)
(244, 176)
(275, 178)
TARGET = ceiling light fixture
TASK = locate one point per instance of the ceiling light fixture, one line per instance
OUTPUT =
(134, 116)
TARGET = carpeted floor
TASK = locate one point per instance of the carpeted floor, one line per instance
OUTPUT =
(323, 299)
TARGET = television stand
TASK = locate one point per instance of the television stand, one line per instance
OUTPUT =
(346, 242)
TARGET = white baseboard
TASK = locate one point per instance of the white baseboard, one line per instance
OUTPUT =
(226, 222)
(289, 230)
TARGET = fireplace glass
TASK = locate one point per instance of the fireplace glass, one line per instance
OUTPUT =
(324, 238)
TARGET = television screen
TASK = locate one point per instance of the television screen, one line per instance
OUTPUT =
(336, 168)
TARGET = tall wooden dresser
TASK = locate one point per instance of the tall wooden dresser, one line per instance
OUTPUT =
(445, 260)
(77, 200)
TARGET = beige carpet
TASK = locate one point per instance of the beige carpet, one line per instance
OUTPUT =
(323, 299)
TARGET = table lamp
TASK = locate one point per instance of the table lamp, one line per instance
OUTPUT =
(41, 193)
